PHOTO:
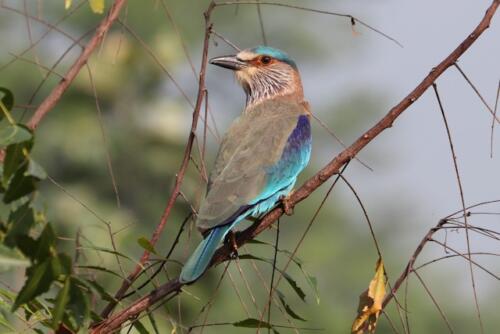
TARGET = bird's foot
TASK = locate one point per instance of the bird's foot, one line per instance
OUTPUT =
(286, 204)
(231, 241)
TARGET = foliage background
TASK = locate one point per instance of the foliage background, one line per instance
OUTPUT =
(351, 80)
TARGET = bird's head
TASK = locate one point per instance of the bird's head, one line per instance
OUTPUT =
(263, 72)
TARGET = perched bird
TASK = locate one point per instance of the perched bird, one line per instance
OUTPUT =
(261, 154)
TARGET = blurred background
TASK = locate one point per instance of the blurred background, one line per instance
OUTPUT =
(351, 76)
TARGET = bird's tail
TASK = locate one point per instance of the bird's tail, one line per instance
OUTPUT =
(200, 259)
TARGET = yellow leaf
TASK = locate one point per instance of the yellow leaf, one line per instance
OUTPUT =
(370, 303)
(67, 4)
(97, 6)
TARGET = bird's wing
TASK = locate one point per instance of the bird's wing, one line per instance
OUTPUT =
(251, 147)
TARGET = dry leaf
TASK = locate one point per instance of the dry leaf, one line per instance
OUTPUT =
(97, 6)
(370, 303)
(67, 4)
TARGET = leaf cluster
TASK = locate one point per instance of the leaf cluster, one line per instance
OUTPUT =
(28, 240)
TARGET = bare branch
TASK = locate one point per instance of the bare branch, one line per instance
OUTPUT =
(462, 200)
(51, 100)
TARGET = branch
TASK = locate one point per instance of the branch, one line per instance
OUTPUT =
(50, 101)
(173, 287)
(180, 175)
(409, 267)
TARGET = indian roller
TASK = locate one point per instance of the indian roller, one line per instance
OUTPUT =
(261, 154)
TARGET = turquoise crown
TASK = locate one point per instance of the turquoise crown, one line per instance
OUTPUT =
(275, 53)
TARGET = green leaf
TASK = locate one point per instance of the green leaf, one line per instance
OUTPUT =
(107, 250)
(20, 222)
(144, 243)
(101, 291)
(15, 158)
(258, 242)
(153, 322)
(61, 265)
(298, 290)
(35, 307)
(287, 307)
(19, 186)
(6, 295)
(13, 134)
(35, 170)
(98, 268)
(79, 304)
(7, 99)
(39, 279)
(95, 317)
(27, 245)
(97, 6)
(311, 280)
(11, 258)
(313, 283)
(140, 327)
(60, 303)
(45, 243)
(252, 323)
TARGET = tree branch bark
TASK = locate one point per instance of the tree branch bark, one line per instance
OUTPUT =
(55, 95)
(172, 287)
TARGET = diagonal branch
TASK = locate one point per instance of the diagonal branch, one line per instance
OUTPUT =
(173, 287)
(51, 100)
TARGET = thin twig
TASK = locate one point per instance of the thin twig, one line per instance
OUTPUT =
(275, 258)
(109, 163)
(474, 88)
(262, 30)
(434, 301)
(462, 200)
(49, 26)
(278, 4)
(51, 100)
(472, 262)
(451, 256)
(493, 120)
(228, 42)
(340, 141)
(413, 258)
(47, 75)
(365, 213)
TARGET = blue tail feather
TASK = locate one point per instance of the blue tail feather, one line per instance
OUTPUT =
(200, 259)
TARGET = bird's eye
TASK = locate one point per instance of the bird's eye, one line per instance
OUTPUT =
(265, 60)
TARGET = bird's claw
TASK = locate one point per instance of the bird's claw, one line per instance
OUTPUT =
(287, 205)
(231, 241)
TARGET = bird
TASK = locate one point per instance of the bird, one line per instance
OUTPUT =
(260, 155)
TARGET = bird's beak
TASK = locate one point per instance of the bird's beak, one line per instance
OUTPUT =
(230, 62)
